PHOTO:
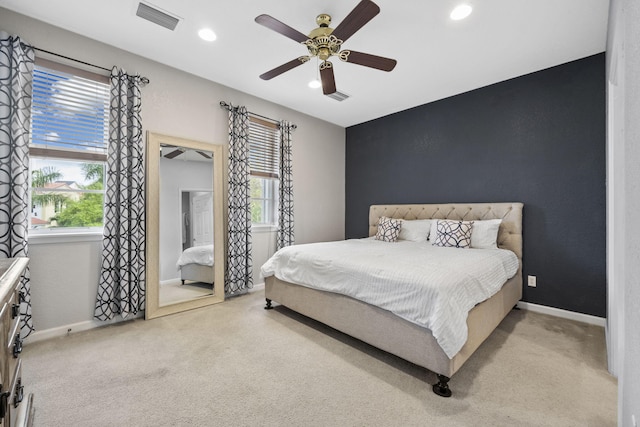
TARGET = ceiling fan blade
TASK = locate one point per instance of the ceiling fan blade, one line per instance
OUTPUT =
(203, 154)
(360, 15)
(328, 80)
(373, 61)
(173, 154)
(284, 67)
(282, 28)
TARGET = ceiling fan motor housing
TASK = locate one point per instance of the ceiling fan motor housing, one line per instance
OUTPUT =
(321, 42)
(323, 47)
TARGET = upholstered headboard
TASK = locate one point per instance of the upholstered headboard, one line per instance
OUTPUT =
(509, 235)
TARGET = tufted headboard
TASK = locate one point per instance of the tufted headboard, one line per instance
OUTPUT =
(509, 235)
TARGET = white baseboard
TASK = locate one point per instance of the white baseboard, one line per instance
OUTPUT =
(61, 331)
(64, 330)
(565, 314)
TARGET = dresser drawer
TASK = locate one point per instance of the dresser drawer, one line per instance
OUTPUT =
(11, 396)
(5, 326)
(13, 349)
(12, 410)
(16, 396)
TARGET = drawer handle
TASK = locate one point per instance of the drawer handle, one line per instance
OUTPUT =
(17, 346)
(17, 398)
(3, 403)
(15, 311)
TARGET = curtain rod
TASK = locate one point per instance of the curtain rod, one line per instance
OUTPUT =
(144, 80)
(230, 107)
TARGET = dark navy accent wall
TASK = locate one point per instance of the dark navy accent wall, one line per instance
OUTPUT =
(537, 139)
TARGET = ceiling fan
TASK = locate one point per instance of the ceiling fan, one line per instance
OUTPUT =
(178, 151)
(325, 42)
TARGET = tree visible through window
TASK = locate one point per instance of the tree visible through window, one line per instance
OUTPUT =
(69, 131)
(264, 199)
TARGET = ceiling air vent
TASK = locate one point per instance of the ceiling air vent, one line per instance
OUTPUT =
(157, 16)
(338, 96)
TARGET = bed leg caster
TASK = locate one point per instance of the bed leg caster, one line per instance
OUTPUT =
(442, 387)
(268, 306)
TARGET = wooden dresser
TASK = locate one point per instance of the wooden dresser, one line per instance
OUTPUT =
(14, 408)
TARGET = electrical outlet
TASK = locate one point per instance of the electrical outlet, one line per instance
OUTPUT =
(531, 281)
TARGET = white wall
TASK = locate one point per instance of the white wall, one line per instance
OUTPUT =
(615, 192)
(623, 72)
(64, 279)
(64, 276)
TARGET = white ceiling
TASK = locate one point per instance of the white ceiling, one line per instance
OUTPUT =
(437, 57)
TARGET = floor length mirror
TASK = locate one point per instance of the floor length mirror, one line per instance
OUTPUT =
(185, 259)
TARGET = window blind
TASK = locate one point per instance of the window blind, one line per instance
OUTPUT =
(264, 140)
(69, 112)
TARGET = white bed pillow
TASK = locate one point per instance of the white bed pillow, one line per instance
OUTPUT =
(484, 234)
(453, 233)
(416, 230)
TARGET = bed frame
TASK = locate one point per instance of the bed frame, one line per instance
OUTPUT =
(395, 335)
(197, 273)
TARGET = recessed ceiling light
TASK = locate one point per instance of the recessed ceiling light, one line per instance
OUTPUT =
(315, 84)
(461, 12)
(207, 34)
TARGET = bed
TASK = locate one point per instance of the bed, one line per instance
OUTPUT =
(395, 334)
(196, 264)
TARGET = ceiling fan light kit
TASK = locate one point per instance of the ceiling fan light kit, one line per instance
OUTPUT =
(325, 42)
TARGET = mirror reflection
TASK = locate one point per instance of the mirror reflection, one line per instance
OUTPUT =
(186, 232)
(185, 224)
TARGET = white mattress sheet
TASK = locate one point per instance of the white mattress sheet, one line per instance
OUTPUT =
(196, 255)
(433, 287)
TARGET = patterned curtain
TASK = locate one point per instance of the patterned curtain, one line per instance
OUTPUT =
(16, 79)
(239, 273)
(121, 288)
(285, 208)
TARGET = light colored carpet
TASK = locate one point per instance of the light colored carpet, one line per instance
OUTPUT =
(236, 364)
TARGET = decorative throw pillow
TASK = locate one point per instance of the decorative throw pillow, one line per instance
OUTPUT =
(388, 229)
(416, 230)
(484, 234)
(453, 234)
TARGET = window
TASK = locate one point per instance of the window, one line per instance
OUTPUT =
(264, 198)
(68, 147)
(264, 161)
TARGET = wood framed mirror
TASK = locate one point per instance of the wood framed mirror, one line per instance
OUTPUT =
(185, 232)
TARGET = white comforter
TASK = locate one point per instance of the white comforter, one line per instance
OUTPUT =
(433, 287)
(196, 255)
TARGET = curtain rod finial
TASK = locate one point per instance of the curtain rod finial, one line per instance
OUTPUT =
(227, 106)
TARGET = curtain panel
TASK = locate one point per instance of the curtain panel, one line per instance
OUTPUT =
(285, 199)
(16, 83)
(122, 286)
(239, 272)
